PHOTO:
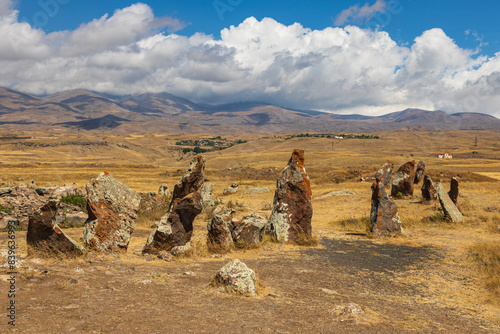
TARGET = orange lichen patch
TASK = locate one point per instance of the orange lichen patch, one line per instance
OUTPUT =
(57, 230)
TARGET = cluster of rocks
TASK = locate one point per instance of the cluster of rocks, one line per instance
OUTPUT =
(233, 189)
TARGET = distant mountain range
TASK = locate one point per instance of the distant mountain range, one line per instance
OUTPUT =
(163, 112)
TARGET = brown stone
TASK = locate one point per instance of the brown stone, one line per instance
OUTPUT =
(402, 183)
(292, 208)
(44, 234)
(450, 210)
(384, 212)
(384, 174)
(453, 193)
(419, 173)
(112, 208)
(176, 226)
(429, 192)
(249, 231)
(219, 233)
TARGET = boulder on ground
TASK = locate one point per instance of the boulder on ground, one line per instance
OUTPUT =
(450, 210)
(384, 174)
(384, 212)
(337, 193)
(428, 190)
(32, 185)
(112, 208)
(219, 234)
(292, 208)
(249, 231)
(237, 278)
(44, 235)
(176, 226)
(402, 183)
(207, 196)
(419, 173)
(163, 190)
(231, 190)
(453, 193)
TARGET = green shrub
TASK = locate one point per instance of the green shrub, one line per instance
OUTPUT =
(75, 199)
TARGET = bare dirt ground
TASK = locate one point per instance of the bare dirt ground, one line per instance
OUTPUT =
(424, 281)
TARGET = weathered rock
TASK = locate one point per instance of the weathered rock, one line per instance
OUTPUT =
(163, 190)
(450, 210)
(419, 173)
(112, 209)
(237, 278)
(20, 203)
(32, 185)
(45, 235)
(453, 193)
(384, 174)
(249, 231)
(207, 196)
(5, 221)
(428, 190)
(74, 219)
(176, 226)
(258, 190)
(57, 191)
(219, 235)
(402, 183)
(337, 193)
(384, 212)
(231, 190)
(292, 208)
(6, 191)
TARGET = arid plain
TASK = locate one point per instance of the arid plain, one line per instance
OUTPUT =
(437, 276)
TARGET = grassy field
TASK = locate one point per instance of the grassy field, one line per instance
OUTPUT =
(438, 276)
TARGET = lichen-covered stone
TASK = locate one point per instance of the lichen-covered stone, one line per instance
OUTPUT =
(384, 174)
(163, 190)
(384, 212)
(44, 234)
(450, 210)
(453, 193)
(402, 183)
(292, 208)
(429, 192)
(207, 196)
(112, 208)
(237, 278)
(176, 226)
(233, 189)
(249, 231)
(219, 235)
(419, 173)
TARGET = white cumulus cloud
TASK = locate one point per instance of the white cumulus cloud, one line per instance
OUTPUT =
(339, 69)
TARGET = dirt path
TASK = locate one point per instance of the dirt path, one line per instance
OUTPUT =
(398, 286)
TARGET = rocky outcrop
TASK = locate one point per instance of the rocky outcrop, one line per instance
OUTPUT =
(384, 174)
(236, 278)
(384, 212)
(233, 189)
(43, 234)
(176, 226)
(20, 203)
(219, 236)
(249, 231)
(419, 173)
(207, 196)
(402, 183)
(112, 208)
(450, 210)
(292, 208)
(163, 190)
(429, 192)
(453, 193)
(57, 191)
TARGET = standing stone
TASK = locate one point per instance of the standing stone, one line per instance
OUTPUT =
(384, 212)
(174, 231)
(237, 278)
(419, 172)
(292, 209)
(44, 234)
(219, 235)
(249, 231)
(112, 208)
(429, 192)
(402, 183)
(450, 210)
(453, 193)
(233, 189)
(207, 196)
(163, 190)
(384, 174)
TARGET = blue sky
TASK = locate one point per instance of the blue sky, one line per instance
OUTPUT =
(368, 57)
